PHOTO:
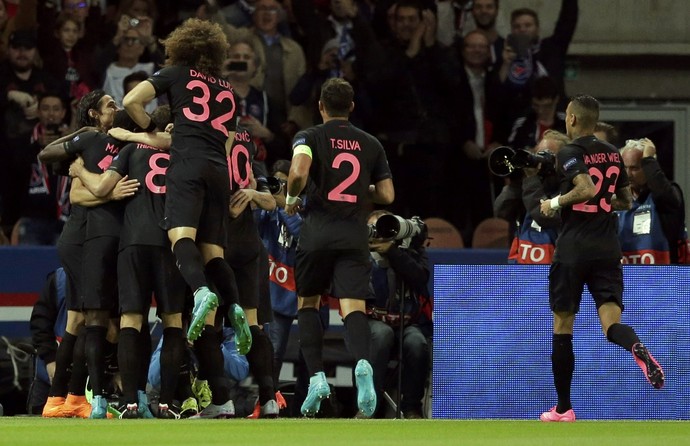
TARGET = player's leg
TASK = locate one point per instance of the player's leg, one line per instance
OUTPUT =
(565, 291)
(351, 285)
(606, 286)
(100, 296)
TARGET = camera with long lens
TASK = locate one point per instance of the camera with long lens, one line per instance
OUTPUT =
(504, 160)
(394, 227)
(273, 184)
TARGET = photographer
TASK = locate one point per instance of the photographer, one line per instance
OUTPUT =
(519, 201)
(400, 264)
(653, 230)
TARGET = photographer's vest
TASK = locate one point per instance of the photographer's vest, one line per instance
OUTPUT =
(641, 235)
(533, 245)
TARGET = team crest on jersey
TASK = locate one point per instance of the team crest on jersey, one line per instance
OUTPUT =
(570, 163)
(520, 71)
(299, 142)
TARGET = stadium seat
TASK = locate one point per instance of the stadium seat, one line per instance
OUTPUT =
(443, 234)
(491, 233)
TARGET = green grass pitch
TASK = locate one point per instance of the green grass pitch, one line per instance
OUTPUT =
(33, 431)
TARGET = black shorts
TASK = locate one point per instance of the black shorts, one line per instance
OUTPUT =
(70, 259)
(343, 273)
(144, 271)
(604, 280)
(244, 261)
(198, 196)
(99, 273)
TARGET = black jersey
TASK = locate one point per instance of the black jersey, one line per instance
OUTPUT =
(589, 230)
(145, 211)
(242, 229)
(74, 230)
(203, 108)
(98, 150)
(345, 161)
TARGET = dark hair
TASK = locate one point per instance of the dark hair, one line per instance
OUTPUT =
(123, 120)
(162, 116)
(64, 17)
(336, 96)
(586, 109)
(609, 130)
(282, 166)
(544, 87)
(198, 44)
(417, 4)
(524, 11)
(88, 101)
(140, 76)
(52, 94)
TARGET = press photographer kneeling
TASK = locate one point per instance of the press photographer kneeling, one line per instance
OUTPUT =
(532, 179)
(400, 269)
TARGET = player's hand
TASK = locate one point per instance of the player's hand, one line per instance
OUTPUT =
(119, 133)
(294, 208)
(124, 188)
(546, 208)
(239, 201)
(76, 167)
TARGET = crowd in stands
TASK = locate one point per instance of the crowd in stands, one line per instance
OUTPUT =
(439, 94)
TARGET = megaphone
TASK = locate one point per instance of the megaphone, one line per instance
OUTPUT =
(501, 161)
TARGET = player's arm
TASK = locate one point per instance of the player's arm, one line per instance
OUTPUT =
(80, 195)
(622, 200)
(99, 185)
(583, 191)
(261, 197)
(161, 140)
(382, 192)
(229, 142)
(297, 179)
(135, 101)
(55, 151)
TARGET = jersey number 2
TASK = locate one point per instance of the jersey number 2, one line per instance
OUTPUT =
(336, 194)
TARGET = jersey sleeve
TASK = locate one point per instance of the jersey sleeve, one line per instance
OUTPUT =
(571, 162)
(78, 144)
(163, 79)
(381, 170)
(303, 143)
(120, 164)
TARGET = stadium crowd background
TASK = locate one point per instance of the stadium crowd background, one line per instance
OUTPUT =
(421, 105)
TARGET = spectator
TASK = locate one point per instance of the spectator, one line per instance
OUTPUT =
(45, 195)
(20, 83)
(543, 115)
(653, 230)
(478, 99)
(255, 108)
(397, 266)
(281, 63)
(484, 13)
(68, 59)
(128, 61)
(410, 87)
(534, 57)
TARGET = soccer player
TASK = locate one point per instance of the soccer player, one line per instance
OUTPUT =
(103, 223)
(145, 266)
(196, 208)
(348, 171)
(244, 254)
(588, 251)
